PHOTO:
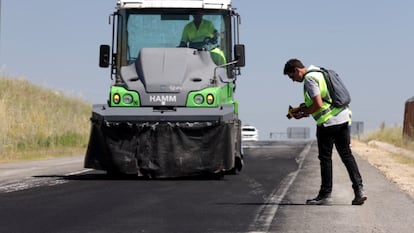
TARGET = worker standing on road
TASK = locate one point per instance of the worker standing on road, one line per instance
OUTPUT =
(332, 128)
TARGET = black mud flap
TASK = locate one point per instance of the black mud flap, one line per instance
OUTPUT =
(162, 149)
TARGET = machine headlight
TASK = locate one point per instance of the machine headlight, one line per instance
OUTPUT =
(127, 99)
(198, 99)
(210, 98)
(116, 98)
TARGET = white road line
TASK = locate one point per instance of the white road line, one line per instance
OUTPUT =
(268, 210)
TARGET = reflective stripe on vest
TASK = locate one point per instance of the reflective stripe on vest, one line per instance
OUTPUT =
(327, 110)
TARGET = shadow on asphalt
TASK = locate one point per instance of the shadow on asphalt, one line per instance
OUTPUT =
(281, 204)
(104, 176)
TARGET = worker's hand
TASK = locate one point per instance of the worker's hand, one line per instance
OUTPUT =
(210, 40)
(298, 112)
(182, 45)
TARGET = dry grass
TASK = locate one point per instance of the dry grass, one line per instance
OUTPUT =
(37, 122)
(392, 135)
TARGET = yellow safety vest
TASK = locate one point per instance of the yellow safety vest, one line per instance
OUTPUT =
(327, 111)
(192, 34)
(218, 56)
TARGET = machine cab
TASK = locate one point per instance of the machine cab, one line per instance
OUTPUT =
(161, 24)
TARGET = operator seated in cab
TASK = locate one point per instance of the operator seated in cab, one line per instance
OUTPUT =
(201, 34)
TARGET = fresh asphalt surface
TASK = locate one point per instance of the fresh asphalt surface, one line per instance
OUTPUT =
(267, 196)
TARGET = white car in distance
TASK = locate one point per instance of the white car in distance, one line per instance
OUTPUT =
(249, 133)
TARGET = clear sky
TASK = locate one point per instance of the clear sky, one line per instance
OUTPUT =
(369, 43)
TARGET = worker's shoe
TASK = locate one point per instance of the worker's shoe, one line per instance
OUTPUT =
(360, 197)
(321, 199)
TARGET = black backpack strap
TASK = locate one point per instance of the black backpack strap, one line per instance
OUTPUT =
(324, 72)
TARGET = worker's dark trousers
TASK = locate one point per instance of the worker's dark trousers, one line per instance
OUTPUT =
(340, 136)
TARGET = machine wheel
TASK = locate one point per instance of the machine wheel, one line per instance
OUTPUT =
(238, 165)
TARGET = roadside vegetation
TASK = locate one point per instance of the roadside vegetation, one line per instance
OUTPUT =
(392, 135)
(38, 123)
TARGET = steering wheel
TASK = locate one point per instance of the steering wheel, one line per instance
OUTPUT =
(210, 40)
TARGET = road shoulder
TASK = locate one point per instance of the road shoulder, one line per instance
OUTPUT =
(390, 161)
(386, 202)
(24, 175)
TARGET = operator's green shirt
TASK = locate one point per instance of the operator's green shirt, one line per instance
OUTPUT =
(192, 34)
